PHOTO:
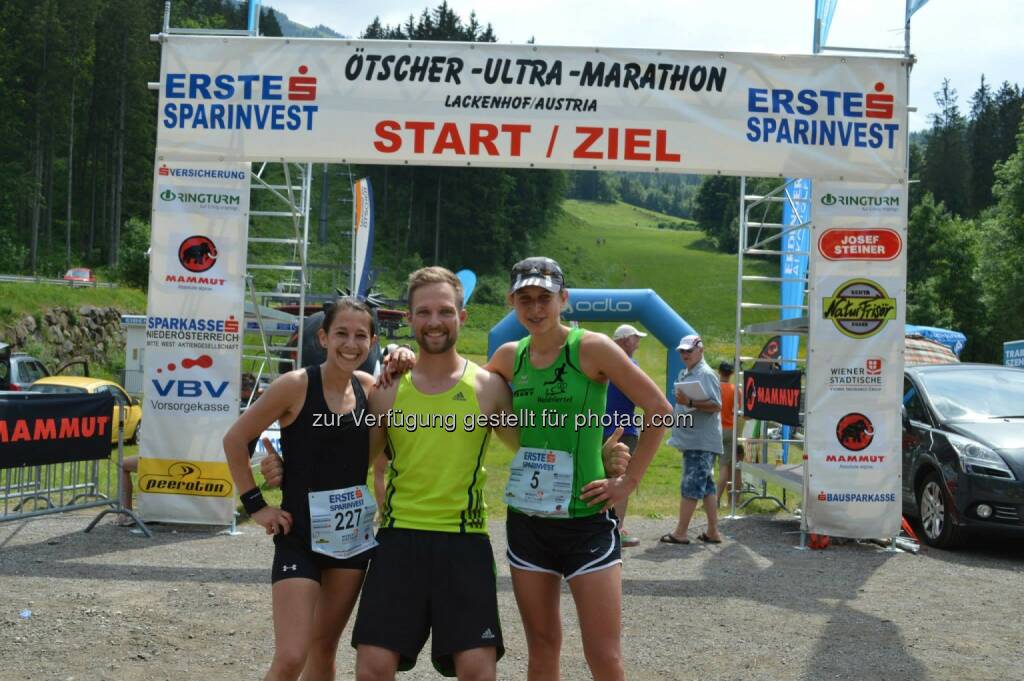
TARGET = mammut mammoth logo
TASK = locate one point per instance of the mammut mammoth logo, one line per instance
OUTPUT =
(855, 431)
(197, 253)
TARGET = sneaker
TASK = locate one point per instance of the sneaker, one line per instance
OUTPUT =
(628, 540)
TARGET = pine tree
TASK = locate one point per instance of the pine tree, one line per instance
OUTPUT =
(946, 169)
(982, 138)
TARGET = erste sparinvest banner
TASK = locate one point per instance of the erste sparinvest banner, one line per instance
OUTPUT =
(193, 354)
(378, 102)
(857, 309)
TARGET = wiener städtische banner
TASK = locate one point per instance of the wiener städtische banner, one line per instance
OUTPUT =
(193, 352)
(857, 310)
(379, 102)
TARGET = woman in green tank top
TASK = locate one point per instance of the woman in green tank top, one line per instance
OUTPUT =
(559, 521)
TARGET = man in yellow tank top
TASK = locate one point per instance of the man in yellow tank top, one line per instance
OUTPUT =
(434, 570)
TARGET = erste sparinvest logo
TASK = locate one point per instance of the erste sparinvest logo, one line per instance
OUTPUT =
(822, 118)
(259, 101)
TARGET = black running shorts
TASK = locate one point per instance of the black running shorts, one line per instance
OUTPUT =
(441, 584)
(294, 558)
(567, 547)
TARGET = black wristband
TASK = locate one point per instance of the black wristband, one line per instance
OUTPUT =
(252, 501)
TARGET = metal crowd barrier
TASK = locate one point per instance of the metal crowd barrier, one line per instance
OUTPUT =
(33, 491)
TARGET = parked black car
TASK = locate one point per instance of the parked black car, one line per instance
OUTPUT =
(963, 450)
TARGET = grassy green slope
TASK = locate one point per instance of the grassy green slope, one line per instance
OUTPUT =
(20, 299)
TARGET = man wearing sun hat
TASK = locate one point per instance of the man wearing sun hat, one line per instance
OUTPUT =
(620, 411)
(700, 442)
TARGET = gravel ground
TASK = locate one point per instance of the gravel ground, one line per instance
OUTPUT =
(191, 604)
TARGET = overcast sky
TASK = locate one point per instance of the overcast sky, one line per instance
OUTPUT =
(958, 39)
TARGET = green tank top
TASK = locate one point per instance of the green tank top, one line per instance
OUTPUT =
(436, 476)
(562, 391)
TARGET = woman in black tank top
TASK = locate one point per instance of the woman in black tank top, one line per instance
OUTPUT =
(321, 541)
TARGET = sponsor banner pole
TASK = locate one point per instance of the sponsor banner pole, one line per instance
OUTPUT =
(193, 353)
(362, 242)
(793, 269)
(530, 106)
(855, 359)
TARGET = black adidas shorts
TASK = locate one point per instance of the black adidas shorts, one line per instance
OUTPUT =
(441, 584)
(294, 558)
(567, 547)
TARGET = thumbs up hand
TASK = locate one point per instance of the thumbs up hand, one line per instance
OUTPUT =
(615, 454)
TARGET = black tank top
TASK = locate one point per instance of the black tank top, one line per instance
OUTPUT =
(322, 450)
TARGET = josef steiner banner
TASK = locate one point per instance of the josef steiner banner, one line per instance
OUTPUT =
(36, 429)
(772, 396)
(531, 106)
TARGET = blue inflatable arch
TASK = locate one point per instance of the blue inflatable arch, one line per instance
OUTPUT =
(613, 305)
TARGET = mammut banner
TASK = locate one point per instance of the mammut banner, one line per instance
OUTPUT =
(772, 396)
(351, 101)
(36, 429)
(856, 303)
(192, 365)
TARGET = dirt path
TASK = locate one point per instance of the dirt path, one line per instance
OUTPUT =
(189, 604)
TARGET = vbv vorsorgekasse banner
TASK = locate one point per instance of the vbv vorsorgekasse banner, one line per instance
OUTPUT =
(193, 354)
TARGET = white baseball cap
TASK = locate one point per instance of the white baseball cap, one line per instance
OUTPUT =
(690, 342)
(627, 330)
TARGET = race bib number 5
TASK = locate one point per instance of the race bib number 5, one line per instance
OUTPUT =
(540, 482)
(341, 521)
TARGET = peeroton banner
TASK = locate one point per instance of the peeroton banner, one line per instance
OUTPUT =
(857, 304)
(193, 353)
(529, 106)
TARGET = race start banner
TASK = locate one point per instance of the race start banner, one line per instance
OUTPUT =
(531, 106)
(857, 309)
(193, 352)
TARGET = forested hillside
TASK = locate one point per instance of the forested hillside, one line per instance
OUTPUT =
(966, 231)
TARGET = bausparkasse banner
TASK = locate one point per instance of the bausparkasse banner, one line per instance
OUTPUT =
(193, 352)
(352, 101)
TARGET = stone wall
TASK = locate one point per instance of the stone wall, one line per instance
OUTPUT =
(89, 331)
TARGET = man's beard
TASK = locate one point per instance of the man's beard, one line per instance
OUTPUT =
(425, 343)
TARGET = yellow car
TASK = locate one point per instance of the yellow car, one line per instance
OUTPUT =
(129, 406)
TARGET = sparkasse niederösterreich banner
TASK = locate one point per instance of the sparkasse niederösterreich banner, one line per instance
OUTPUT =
(857, 308)
(374, 102)
(193, 353)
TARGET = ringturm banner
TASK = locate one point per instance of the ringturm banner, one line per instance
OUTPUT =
(531, 106)
(193, 352)
(36, 429)
(857, 307)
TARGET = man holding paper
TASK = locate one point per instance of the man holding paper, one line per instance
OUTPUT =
(698, 435)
